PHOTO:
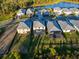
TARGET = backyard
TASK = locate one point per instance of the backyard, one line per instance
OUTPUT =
(42, 47)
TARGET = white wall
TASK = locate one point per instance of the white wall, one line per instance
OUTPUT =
(23, 31)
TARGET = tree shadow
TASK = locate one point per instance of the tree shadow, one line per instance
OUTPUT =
(14, 41)
(29, 46)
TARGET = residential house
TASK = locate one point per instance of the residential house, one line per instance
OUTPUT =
(75, 11)
(53, 29)
(24, 27)
(47, 13)
(67, 11)
(66, 27)
(20, 13)
(43, 11)
(75, 24)
(38, 27)
(29, 13)
(57, 11)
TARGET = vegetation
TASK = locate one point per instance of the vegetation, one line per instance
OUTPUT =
(9, 7)
(27, 46)
(12, 55)
(47, 2)
(44, 2)
(39, 47)
(2, 31)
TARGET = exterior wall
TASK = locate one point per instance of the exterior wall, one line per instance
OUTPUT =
(68, 30)
(23, 31)
(36, 28)
(38, 32)
(56, 34)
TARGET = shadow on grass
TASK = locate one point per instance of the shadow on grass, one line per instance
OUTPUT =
(14, 41)
(29, 47)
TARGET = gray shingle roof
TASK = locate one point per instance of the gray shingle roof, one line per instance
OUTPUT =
(38, 24)
(52, 27)
(22, 25)
(65, 26)
(75, 22)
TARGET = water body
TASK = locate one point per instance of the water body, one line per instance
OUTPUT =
(63, 5)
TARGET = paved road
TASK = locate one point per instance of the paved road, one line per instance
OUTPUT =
(6, 40)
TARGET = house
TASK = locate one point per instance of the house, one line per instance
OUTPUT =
(76, 11)
(43, 11)
(47, 13)
(57, 11)
(20, 13)
(67, 11)
(38, 27)
(75, 24)
(29, 12)
(65, 26)
(38, 14)
(23, 11)
(53, 29)
(24, 27)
